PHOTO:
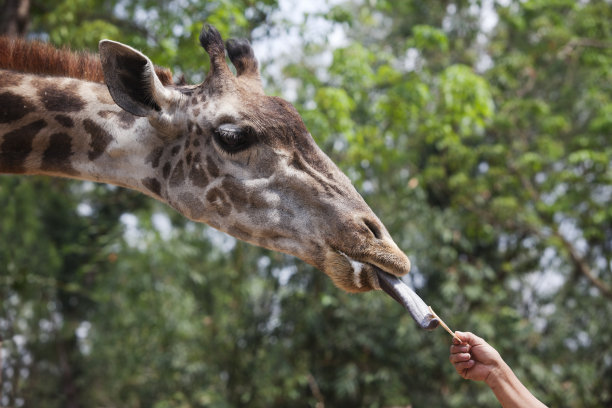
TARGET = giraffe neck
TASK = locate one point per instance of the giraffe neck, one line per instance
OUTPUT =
(71, 128)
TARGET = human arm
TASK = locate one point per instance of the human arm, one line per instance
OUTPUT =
(474, 359)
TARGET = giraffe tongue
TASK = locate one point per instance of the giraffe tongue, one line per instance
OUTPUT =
(406, 297)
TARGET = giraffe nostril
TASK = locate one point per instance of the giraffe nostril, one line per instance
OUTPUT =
(374, 229)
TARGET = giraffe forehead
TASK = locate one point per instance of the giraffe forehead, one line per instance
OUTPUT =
(242, 104)
(277, 123)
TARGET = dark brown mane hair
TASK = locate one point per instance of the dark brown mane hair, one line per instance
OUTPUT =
(36, 57)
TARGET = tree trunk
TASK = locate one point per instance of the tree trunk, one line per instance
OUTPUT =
(15, 18)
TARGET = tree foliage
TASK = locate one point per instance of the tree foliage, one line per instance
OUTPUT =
(483, 148)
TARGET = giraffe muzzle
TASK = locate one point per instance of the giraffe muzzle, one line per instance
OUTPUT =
(392, 285)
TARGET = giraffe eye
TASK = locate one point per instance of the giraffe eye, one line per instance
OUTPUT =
(233, 139)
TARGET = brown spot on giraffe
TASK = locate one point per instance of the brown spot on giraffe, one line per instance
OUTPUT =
(166, 170)
(197, 175)
(65, 121)
(106, 113)
(13, 107)
(56, 158)
(126, 119)
(100, 139)
(152, 185)
(154, 157)
(211, 167)
(58, 99)
(216, 198)
(257, 199)
(178, 174)
(17, 145)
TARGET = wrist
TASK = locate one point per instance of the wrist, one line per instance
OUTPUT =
(508, 389)
(499, 375)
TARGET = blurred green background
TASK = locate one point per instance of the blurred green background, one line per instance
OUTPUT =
(480, 132)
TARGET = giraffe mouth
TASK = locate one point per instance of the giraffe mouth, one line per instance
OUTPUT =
(401, 293)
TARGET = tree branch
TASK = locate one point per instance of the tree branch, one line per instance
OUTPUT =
(579, 262)
(584, 43)
(583, 267)
(316, 391)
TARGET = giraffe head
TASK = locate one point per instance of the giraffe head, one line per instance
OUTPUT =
(244, 163)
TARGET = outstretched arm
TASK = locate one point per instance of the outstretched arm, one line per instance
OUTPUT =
(474, 359)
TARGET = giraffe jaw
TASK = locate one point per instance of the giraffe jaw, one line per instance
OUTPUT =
(358, 269)
(398, 290)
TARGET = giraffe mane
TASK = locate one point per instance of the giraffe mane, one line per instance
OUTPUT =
(37, 57)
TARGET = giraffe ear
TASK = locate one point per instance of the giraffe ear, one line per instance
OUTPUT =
(131, 79)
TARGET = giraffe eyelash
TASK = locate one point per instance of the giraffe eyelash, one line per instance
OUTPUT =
(233, 139)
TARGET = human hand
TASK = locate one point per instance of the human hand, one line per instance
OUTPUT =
(474, 358)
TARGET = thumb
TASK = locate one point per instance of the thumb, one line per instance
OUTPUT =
(467, 337)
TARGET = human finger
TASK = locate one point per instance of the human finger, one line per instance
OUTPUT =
(463, 348)
(469, 338)
(463, 366)
(459, 357)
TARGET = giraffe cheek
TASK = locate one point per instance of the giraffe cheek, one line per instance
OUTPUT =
(197, 174)
(178, 175)
(153, 185)
(216, 199)
(192, 206)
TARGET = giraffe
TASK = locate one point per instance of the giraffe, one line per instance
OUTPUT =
(220, 152)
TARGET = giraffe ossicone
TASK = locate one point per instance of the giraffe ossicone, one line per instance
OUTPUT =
(220, 152)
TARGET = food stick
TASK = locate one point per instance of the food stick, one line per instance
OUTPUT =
(444, 325)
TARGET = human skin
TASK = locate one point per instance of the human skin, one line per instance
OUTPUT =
(475, 359)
